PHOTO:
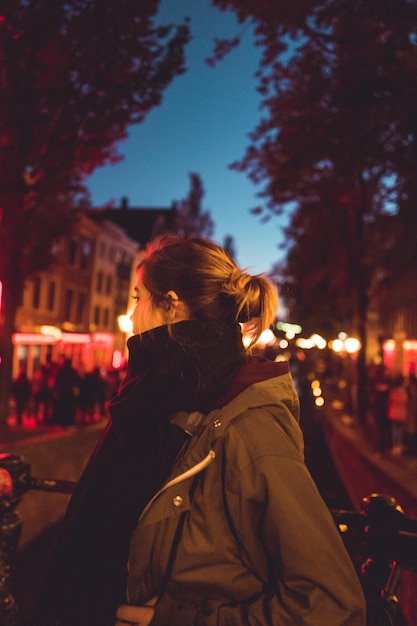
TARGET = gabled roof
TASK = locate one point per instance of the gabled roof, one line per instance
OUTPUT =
(140, 223)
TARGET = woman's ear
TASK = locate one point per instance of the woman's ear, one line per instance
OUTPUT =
(178, 310)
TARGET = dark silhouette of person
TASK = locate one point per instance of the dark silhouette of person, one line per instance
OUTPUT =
(42, 393)
(66, 394)
(381, 388)
(21, 389)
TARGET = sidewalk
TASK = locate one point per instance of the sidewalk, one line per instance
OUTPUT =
(362, 468)
(33, 432)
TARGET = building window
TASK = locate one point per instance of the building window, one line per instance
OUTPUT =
(36, 355)
(22, 355)
(99, 283)
(85, 254)
(72, 251)
(51, 296)
(102, 250)
(108, 284)
(36, 299)
(106, 318)
(80, 308)
(97, 315)
(69, 296)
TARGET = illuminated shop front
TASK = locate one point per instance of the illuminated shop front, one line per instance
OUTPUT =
(85, 350)
(400, 356)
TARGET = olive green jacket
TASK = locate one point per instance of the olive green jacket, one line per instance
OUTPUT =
(256, 545)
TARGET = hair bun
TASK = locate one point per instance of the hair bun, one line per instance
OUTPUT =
(238, 279)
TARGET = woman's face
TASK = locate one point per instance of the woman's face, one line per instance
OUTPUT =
(145, 315)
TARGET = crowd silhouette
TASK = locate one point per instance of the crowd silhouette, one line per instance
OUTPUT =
(59, 394)
(393, 403)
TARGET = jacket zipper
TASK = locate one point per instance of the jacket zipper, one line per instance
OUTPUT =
(192, 471)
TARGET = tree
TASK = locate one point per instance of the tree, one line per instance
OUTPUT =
(333, 139)
(73, 76)
(191, 220)
(229, 246)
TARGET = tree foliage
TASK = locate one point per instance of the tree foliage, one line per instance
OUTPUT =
(73, 76)
(338, 141)
(192, 220)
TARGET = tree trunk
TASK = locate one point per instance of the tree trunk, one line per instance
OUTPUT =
(9, 306)
(362, 373)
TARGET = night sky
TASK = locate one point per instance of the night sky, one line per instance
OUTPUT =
(201, 126)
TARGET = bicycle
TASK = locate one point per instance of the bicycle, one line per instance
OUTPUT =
(389, 539)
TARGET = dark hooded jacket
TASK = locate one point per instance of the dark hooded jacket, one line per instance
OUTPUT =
(199, 433)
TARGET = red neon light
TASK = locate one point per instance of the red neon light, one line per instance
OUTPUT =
(102, 339)
(30, 338)
(75, 338)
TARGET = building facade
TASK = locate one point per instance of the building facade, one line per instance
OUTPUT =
(72, 309)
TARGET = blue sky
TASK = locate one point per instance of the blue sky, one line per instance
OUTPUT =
(201, 126)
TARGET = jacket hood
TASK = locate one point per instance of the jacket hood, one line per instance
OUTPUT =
(255, 370)
(258, 383)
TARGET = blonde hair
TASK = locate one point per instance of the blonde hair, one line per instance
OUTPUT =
(208, 281)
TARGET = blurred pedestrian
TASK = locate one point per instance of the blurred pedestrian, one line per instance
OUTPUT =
(66, 393)
(199, 481)
(397, 412)
(42, 394)
(21, 390)
(93, 396)
(379, 393)
(410, 425)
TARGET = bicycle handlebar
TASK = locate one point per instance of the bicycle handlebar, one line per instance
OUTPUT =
(379, 510)
(389, 533)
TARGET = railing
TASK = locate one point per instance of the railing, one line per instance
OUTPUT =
(387, 538)
(15, 481)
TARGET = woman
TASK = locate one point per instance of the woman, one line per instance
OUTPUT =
(196, 507)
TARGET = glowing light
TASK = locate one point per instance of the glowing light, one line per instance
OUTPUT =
(317, 392)
(319, 401)
(76, 338)
(125, 323)
(283, 344)
(119, 359)
(32, 338)
(352, 345)
(6, 483)
(389, 345)
(104, 339)
(52, 331)
(267, 337)
(337, 345)
(246, 340)
(287, 327)
(304, 344)
(286, 356)
(318, 341)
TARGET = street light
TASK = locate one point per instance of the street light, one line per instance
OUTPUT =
(125, 324)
